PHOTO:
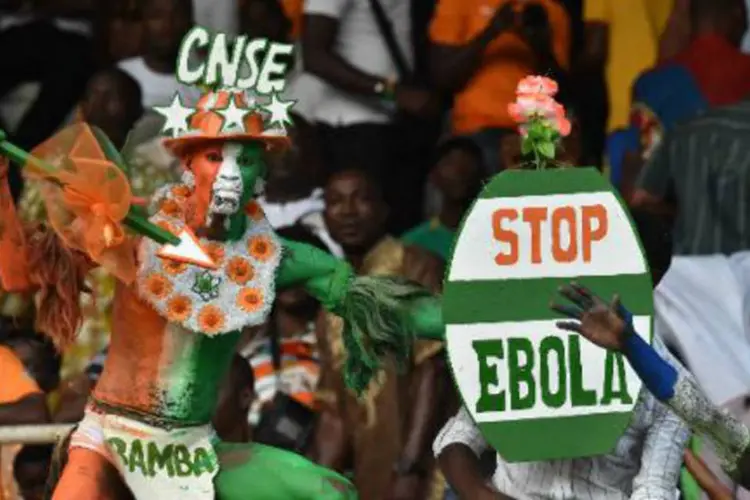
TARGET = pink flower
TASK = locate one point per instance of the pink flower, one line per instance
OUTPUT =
(532, 105)
(532, 85)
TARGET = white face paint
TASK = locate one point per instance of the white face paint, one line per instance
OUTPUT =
(227, 189)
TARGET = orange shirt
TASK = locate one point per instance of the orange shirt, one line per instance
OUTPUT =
(293, 11)
(16, 382)
(484, 101)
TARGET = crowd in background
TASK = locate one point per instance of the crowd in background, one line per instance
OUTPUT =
(401, 117)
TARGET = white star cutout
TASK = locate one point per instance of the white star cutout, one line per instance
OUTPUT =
(279, 111)
(176, 116)
(234, 117)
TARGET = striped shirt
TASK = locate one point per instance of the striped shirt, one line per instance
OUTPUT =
(645, 464)
(705, 164)
(295, 372)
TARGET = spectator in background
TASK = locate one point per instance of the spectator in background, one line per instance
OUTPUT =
(286, 364)
(22, 400)
(165, 23)
(700, 174)
(365, 84)
(290, 196)
(481, 52)
(388, 431)
(31, 468)
(112, 102)
(622, 40)
(457, 175)
(235, 396)
(219, 16)
(51, 45)
(710, 71)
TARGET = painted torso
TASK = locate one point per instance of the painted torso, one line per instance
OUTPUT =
(156, 363)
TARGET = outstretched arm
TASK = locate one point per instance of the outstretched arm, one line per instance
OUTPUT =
(328, 279)
(382, 316)
(610, 326)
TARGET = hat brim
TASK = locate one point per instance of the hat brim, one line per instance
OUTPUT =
(179, 145)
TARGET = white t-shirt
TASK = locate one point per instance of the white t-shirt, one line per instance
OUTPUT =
(158, 89)
(306, 211)
(362, 46)
(219, 16)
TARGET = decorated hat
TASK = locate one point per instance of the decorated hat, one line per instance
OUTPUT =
(221, 115)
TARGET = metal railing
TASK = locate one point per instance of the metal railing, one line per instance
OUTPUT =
(33, 434)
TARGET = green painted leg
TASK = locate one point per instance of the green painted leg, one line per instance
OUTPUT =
(265, 473)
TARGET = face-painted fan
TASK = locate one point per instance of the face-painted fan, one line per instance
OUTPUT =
(88, 197)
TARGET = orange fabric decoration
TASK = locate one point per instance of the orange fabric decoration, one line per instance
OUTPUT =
(14, 271)
(87, 197)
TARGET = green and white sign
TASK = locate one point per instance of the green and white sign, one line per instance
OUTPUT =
(536, 392)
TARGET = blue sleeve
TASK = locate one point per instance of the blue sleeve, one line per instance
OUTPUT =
(656, 373)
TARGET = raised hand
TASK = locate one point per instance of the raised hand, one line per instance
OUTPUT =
(601, 323)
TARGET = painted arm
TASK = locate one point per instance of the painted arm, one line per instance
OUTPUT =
(610, 326)
(661, 458)
(680, 392)
(382, 315)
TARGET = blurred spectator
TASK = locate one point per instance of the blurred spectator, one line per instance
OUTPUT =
(286, 364)
(38, 355)
(710, 71)
(151, 165)
(219, 16)
(387, 432)
(165, 23)
(481, 52)
(363, 51)
(30, 468)
(457, 175)
(623, 37)
(644, 464)
(290, 197)
(49, 44)
(235, 395)
(22, 401)
(112, 102)
(701, 173)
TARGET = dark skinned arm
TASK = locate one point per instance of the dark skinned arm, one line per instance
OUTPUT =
(30, 410)
(423, 417)
(452, 66)
(461, 469)
(318, 39)
(596, 46)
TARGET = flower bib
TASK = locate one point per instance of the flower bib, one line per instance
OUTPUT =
(237, 294)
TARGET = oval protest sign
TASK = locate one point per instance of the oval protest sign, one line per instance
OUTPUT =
(536, 392)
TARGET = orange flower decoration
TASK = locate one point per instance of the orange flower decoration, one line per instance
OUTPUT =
(179, 308)
(158, 286)
(254, 211)
(250, 299)
(173, 267)
(181, 191)
(210, 320)
(239, 270)
(170, 208)
(215, 251)
(261, 248)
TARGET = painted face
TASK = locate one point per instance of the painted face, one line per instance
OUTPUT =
(226, 176)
